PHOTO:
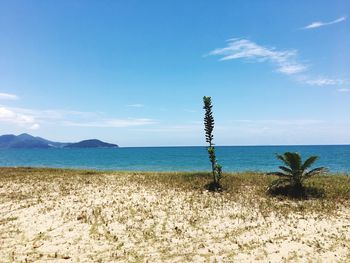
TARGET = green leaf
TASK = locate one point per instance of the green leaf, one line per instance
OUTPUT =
(307, 164)
(286, 169)
(283, 159)
(294, 160)
(313, 172)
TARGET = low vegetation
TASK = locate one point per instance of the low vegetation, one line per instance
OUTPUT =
(78, 215)
(293, 174)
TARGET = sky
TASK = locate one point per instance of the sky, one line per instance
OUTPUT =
(135, 72)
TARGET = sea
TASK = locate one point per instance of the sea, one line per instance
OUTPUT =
(232, 158)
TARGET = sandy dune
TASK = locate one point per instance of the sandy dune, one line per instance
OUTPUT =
(113, 218)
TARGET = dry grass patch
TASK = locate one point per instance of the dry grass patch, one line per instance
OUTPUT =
(88, 216)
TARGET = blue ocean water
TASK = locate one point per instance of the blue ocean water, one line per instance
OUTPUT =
(232, 158)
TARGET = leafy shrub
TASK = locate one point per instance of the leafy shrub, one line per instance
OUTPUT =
(293, 174)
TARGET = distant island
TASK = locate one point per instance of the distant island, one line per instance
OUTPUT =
(27, 141)
(93, 143)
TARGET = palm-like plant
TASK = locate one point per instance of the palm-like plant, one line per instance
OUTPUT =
(295, 171)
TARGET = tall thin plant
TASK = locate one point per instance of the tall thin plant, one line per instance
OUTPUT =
(209, 137)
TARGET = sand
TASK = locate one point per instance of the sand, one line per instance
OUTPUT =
(112, 218)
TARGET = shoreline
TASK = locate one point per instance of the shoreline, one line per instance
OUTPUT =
(86, 215)
(189, 146)
(97, 170)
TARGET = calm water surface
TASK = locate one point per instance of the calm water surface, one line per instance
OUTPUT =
(232, 158)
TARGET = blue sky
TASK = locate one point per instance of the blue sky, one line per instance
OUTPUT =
(134, 72)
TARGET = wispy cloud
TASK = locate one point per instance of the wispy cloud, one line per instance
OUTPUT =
(55, 115)
(137, 105)
(35, 126)
(190, 111)
(112, 123)
(32, 118)
(272, 127)
(179, 128)
(9, 116)
(8, 96)
(295, 131)
(344, 90)
(323, 81)
(318, 24)
(285, 61)
(281, 122)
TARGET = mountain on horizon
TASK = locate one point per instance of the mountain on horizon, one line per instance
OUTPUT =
(92, 143)
(27, 141)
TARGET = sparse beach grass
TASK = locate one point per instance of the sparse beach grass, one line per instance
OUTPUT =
(90, 216)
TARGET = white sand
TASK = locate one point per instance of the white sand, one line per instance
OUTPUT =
(113, 219)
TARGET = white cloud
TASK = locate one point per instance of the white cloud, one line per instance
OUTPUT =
(344, 90)
(292, 69)
(56, 116)
(8, 96)
(32, 118)
(285, 61)
(9, 116)
(35, 126)
(135, 105)
(321, 24)
(111, 123)
(322, 81)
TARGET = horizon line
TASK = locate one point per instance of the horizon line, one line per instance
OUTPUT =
(237, 145)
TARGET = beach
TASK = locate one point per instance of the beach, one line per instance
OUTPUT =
(88, 216)
(175, 131)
